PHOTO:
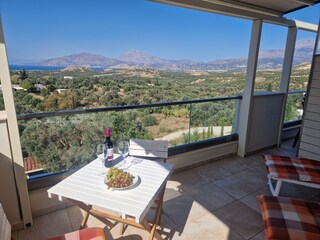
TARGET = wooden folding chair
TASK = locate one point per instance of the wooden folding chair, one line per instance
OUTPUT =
(149, 149)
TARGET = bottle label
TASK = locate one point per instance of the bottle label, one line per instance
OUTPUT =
(110, 154)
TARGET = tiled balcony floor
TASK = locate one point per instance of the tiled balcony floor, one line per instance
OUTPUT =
(213, 201)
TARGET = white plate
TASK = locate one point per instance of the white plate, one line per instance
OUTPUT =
(134, 182)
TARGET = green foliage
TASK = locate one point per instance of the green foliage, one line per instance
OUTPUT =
(149, 120)
(28, 86)
(23, 74)
(67, 142)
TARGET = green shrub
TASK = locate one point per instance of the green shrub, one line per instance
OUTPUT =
(149, 120)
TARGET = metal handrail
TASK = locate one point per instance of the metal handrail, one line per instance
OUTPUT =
(28, 116)
(297, 91)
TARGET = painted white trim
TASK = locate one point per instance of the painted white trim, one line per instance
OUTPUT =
(276, 190)
(13, 131)
(245, 108)
(306, 26)
(286, 72)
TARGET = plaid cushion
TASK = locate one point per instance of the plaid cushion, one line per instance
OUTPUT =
(288, 218)
(299, 169)
(93, 233)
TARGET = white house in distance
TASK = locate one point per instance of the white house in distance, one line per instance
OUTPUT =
(61, 90)
(68, 77)
(15, 88)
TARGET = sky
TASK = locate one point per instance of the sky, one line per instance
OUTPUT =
(42, 29)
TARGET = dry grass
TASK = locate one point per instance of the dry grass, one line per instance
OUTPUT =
(167, 125)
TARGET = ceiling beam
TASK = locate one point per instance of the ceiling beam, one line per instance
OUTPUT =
(246, 6)
(305, 2)
(209, 6)
(222, 9)
(306, 26)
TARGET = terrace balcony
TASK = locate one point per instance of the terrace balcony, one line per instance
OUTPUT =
(216, 200)
(212, 194)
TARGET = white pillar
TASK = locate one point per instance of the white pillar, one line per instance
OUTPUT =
(14, 136)
(286, 72)
(245, 107)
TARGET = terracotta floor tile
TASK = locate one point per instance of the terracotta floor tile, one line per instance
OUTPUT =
(210, 227)
(252, 201)
(49, 225)
(259, 236)
(253, 178)
(240, 218)
(235, 186)
(210, 196)
(188, 179)
(183, 209)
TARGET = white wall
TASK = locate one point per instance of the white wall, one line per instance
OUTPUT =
(310, 134)
(8, 194)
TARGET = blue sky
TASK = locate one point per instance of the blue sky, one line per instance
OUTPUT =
(40, 29)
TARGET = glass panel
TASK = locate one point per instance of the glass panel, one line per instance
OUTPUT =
(210, 120)
(270, 60)
(294, 107)
(302, 60)
(62, 143)
(172, 124)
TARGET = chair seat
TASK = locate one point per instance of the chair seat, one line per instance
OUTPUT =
(289, 218)
(84, 234)
(299, 169)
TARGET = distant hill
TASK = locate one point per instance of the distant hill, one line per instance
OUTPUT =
(81, 59)
(268, 59)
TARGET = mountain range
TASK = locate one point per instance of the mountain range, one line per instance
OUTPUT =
(268, 59)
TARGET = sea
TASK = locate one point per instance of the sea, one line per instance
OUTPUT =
(42, 68)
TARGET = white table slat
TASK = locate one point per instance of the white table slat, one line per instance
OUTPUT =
(87, 186)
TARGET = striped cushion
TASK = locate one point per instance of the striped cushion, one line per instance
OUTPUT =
(299, 169)
(289, 218)
(84, 234)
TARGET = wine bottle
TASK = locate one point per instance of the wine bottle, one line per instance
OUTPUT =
(108, 162)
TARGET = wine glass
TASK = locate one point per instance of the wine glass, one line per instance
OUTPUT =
(100, 152)
(123, 148)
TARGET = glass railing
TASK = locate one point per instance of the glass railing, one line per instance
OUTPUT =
(60, 141)
(294, 106)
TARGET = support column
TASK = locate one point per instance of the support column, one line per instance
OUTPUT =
(14, 136)
(245, 107)
(286, 72)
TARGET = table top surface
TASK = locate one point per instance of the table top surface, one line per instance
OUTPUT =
(87, 186)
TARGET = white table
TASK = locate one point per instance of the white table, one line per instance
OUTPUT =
(86, 189)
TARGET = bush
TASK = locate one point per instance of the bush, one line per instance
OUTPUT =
(149, 120)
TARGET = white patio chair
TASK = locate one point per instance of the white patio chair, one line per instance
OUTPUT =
(150, 149)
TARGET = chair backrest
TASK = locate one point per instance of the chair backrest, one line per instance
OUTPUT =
(149, 148)
(5, 227)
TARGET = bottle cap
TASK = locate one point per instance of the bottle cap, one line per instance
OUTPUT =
(107, 132)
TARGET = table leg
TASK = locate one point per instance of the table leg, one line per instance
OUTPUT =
(151, 228)
(87, 208)
(157, 217)
(84, 220)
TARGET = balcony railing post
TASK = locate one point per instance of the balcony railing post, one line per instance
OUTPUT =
(190, 117)
(236, 116)
(286, 73)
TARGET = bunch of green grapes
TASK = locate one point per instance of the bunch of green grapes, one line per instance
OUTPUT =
(117, 178)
